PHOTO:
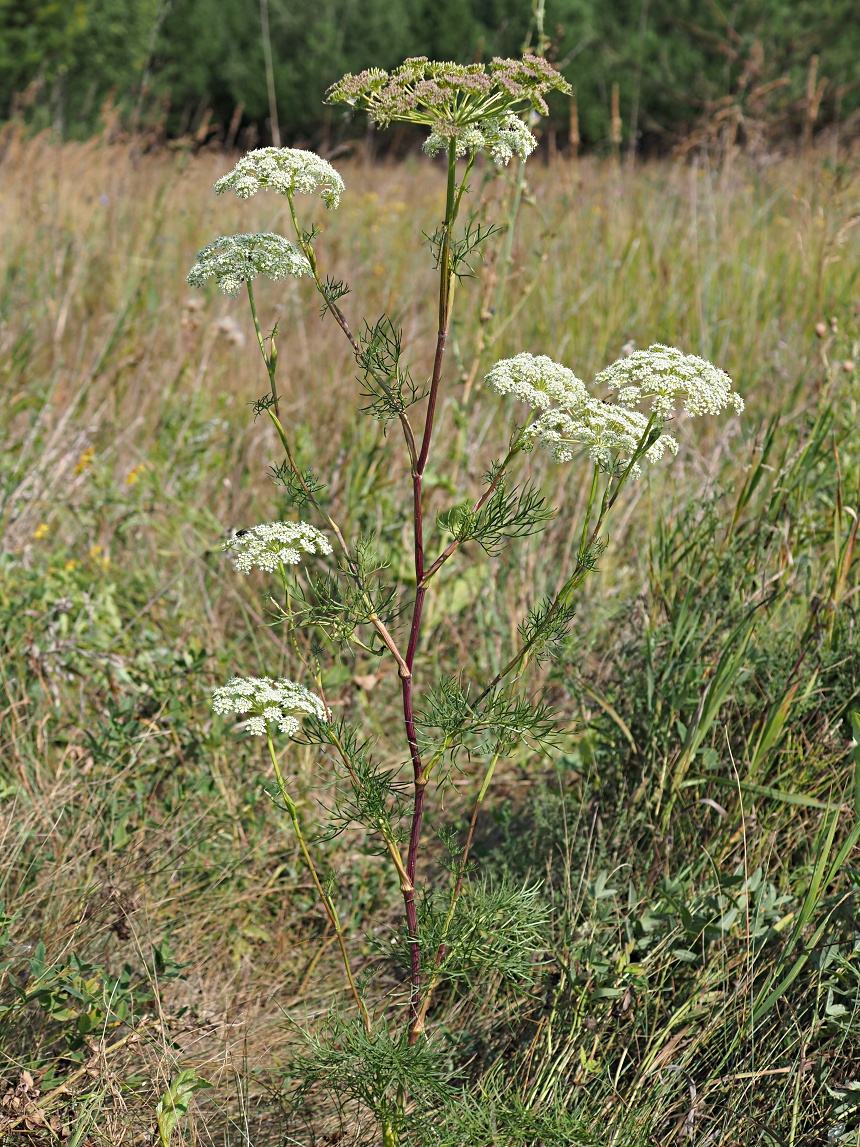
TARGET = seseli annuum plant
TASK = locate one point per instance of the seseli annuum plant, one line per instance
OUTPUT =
(382, 1056)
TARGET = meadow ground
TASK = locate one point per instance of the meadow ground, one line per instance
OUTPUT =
(693, 838)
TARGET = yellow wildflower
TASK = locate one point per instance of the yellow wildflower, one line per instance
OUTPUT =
(97, 554)
(85, 460)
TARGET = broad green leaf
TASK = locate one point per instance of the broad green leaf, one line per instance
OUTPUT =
(176, 1101)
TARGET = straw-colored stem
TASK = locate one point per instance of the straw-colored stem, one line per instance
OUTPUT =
(325, 899)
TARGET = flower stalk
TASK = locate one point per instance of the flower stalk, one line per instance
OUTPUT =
(269, 358)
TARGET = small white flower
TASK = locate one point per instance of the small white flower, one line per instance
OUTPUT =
(506, 136)
(284, 170)
(280, 703)
(659, 447)
(570, 417)
(500, 136)
(236, 259)
(275, 544)
(666, 375)
(608, 431)
(538, 381)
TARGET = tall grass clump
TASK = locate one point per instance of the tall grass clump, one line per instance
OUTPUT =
(619, 904)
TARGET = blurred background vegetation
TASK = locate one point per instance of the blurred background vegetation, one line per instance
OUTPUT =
(198, 65)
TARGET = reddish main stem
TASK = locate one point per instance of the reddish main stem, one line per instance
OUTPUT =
(420, 780)
(441, 341)
(420, 592)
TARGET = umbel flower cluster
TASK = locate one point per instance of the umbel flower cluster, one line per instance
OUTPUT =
(571, 418)
(501, 137)
(665, 374)
(274, 544)
(285, 170)
(236, 259)
(471, 104)
(270, 546)
(268, 701)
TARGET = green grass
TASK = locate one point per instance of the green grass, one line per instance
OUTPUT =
(693, 839)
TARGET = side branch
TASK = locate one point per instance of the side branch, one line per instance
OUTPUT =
(341, 321)
(581, 569)
(402, 667)
(481, 502)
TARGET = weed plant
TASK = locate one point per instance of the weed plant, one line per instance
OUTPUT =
(658, 940)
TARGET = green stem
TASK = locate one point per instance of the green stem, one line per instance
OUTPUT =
(462, 188)
(583, 545)
(325, 899)
(384, 829)
(303, 242)
(390, 1137)
(446, 285)
(479, 504)
(374, 620)
(271, 360)
(508, 244)
(340, 319)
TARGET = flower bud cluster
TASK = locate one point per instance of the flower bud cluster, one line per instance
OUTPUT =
(469, 103)
(284, 170)
(665, 375)
(274, 544)
(528, 79)
(268, 701)
(236, 259)
(501, 137)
